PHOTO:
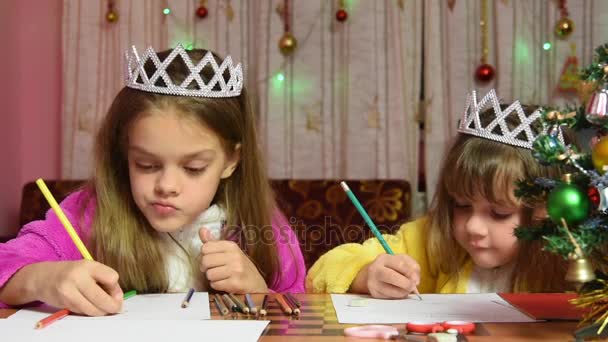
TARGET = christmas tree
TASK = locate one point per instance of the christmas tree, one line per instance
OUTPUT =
(577, 204)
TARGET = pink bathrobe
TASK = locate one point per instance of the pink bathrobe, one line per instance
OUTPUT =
(47, 240)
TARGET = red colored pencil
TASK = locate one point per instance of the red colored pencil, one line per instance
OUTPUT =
(52, 318)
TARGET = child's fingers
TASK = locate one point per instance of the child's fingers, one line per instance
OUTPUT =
(393, 278)
(413, 275)
(218, 274)
(114, 290)
(79, 304)
(225, 285)
(205, 235)
(221, 246)
(107, 279)
(386, 290)
(104, 302)
(104, 274)
(405, 265)
(209, 261)
(415, 278)
(414, 272)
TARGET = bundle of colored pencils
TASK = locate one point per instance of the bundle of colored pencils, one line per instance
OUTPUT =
(227, 303)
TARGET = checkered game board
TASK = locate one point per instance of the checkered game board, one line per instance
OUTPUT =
(318, 318)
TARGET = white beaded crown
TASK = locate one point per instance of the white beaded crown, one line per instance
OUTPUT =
(137, 78)
(497, 129)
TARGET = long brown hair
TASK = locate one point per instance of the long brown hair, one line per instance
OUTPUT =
(477, 166)
(122, 238)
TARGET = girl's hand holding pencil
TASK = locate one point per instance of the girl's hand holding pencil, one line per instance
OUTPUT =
(85, 287)
(388, 276)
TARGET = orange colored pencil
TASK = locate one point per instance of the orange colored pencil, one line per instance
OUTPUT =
(52, 318)
(286, 308)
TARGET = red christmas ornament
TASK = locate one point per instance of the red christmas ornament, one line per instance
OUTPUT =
(594, 196)
(202, 12)
(341, 15)
(484, 73)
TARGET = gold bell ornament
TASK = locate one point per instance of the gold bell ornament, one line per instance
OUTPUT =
(580, 271)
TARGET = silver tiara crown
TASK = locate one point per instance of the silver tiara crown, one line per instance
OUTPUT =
(137, 78)
(498, 130)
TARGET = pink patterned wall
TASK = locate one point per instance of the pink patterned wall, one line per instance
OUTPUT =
(30, 65)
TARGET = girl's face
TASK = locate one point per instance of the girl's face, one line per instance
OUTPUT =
(175, 167)
(486, 230)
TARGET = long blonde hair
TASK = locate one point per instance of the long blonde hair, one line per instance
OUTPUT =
(476, 166)
(121, 236)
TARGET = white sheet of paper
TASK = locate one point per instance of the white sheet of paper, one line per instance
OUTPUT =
(149, 306)
(477, 307)
(92, 330)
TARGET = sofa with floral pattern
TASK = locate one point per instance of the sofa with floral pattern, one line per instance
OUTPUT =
(318, 210)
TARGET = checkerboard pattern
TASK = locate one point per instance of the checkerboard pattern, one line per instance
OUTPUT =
(318, 318)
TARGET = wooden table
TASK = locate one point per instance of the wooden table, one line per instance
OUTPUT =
(318, 322)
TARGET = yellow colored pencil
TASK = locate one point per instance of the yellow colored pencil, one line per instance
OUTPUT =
(64, 220)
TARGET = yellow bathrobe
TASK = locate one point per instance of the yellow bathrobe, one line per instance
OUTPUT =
(335, 270)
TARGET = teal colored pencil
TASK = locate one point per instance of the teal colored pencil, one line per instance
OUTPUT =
(371, 224)
(366, 217)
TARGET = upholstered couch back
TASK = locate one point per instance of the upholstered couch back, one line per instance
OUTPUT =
(318, 210)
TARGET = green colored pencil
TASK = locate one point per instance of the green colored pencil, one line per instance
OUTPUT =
(129, 294)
